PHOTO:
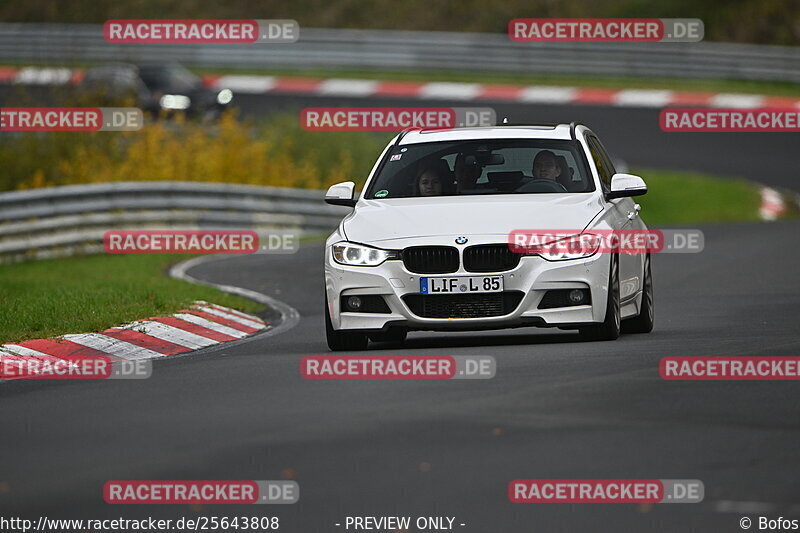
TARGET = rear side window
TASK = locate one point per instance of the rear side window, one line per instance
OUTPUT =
(604, 166)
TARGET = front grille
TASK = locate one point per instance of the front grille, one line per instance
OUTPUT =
(430, 259)
(490, 258)
(463, 305)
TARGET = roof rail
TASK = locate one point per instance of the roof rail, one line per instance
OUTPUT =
(505, 122)
(403, 134)
(572, 126)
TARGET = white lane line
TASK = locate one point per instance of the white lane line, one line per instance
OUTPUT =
(171, 334)
(451, 91)
(289, 315)
(246, 84)
(208, 324)
(540, 93)
(233, 318)
(643, 98)
(111, 346)
(737, 100)
(345, 87)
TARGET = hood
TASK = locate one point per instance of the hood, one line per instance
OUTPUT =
(402, 218)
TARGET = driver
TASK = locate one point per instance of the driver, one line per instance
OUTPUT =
(545, 166)
(467, 171)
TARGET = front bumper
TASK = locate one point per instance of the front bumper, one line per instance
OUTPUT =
(532, 277)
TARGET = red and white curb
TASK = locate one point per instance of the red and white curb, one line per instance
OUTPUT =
(532, 94)
(202, 325)
(772, 204)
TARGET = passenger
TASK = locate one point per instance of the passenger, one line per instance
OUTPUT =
(430, 182)
(467, 171)
(545, 166)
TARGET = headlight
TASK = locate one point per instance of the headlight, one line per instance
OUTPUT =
(352, 254)
(175, 101)
(572, 247)
(224, 97)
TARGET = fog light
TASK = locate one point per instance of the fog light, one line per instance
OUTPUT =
(354, 303)
(576, 296)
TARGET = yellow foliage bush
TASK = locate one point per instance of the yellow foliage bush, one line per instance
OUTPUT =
(276, 153)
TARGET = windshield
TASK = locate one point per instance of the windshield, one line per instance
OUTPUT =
(168, 78)
(482, 167)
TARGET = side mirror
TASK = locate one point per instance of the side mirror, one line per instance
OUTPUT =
(624, 185)
(341, 194)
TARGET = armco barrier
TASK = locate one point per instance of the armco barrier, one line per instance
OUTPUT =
(57, 221)
(55, 44)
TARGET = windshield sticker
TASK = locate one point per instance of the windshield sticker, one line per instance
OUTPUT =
(403, 149)
(396, 157)
(382, 193)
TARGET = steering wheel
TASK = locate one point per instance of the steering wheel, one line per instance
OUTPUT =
(542, 185)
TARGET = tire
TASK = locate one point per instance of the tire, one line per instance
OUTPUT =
(643, 323)
(342, 340)
(609, 329)
(394, 335)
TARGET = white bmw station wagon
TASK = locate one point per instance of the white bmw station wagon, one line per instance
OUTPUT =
(428, 243)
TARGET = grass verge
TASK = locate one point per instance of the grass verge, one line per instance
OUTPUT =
(689, 198)
(82, 294)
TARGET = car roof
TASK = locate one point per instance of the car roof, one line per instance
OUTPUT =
(537, 131)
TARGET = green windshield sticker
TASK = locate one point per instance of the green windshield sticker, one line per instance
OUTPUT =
(382, 193)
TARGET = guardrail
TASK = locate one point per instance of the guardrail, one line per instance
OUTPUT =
(418, 51)
(58, 221)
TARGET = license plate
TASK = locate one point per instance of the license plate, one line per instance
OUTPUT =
(464, 285)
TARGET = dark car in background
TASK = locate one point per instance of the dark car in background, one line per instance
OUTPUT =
(164, 88)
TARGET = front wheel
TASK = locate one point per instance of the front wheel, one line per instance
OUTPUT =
(342, 340)
(609, 329)
(644, 322)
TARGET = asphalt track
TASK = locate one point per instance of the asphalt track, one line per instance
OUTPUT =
(558, 408)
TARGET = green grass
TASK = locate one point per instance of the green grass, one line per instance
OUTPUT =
(689, 198)
(52, 297)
